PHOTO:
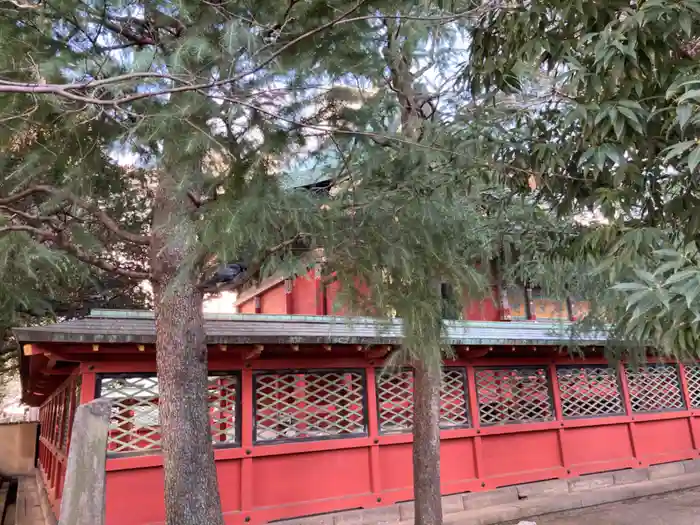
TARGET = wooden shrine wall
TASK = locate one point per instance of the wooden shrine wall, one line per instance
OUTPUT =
(301, 437)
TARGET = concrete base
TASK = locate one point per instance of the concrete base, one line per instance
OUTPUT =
(532, 499)
(32, 506)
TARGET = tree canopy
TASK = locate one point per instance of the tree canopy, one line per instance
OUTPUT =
(608, 125)
(154, 140)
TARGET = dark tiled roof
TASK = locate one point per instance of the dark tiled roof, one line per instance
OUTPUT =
(126, 326)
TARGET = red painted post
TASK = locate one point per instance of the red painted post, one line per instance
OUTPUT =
(373, 430)
(688, 404)
(289, 296)
(472, 396)
(88, 387)
(628, 408)
(320, 294)
(559, 415)
(247, 429)
(71, 414)
(529, 304)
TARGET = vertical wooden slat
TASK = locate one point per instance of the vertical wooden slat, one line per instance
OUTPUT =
(88, 387)
(373, 429)
(473, 401)
(247, 430)
(624, 385)
(689, 404)
(559, 415)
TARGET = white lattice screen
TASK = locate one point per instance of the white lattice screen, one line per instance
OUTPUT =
(655, 388)
(692, 376)
(395, 400)
(589, 391)
(135, 423)
(513, 395)
(313, 404)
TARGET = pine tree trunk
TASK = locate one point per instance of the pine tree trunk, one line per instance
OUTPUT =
(191, 487)
(426, 444)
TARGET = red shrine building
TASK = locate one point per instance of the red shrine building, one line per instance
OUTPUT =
(305, 421)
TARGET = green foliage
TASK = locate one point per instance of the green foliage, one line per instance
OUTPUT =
(607, 124)
(280, 85)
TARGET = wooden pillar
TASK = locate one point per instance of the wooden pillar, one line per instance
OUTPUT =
(373, 430)
(88, 387)
(689, 405)
(628, 408)
(559, 415)
(472, 396)
(289, 296)
(320, 289)
(247, 430)
(529, 305)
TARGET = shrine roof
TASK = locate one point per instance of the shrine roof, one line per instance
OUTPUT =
(132, 326)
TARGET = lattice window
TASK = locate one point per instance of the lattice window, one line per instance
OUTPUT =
(395, 400)
(223, 403)
(307, 405)
(134, 424)
(513, 395)
(588, 391)
(135, 421)
(453, 398)
(692, 376)
(655, 388)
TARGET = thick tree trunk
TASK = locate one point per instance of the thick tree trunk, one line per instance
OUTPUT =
(426, 444)
(191, 488)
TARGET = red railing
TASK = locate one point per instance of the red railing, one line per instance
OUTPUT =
(56, 423)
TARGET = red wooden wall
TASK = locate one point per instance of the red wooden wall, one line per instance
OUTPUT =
(260, 482)
(306, 295)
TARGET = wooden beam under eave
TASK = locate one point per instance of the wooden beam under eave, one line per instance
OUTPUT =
(474, 352)
(58, 372)
(255, 352)
(379, 352)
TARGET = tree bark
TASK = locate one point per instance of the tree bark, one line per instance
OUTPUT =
(426, 444)
(191, 487)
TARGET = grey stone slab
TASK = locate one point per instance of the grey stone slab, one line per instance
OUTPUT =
(407, 511)
(591, 482)
(350, 517)
(666, 470)
(543, 488)
(83, 501)
(691, 466)
(502, 496)
(452, 503)
(381, 515)
(633, 475)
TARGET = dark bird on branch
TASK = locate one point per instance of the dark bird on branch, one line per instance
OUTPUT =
(226, 274)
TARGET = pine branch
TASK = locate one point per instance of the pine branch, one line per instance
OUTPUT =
(14, 212)
(60, 242)
(92, 208)
(67, 90)
(254, 269)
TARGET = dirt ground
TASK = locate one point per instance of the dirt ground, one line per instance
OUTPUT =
(677, 508)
